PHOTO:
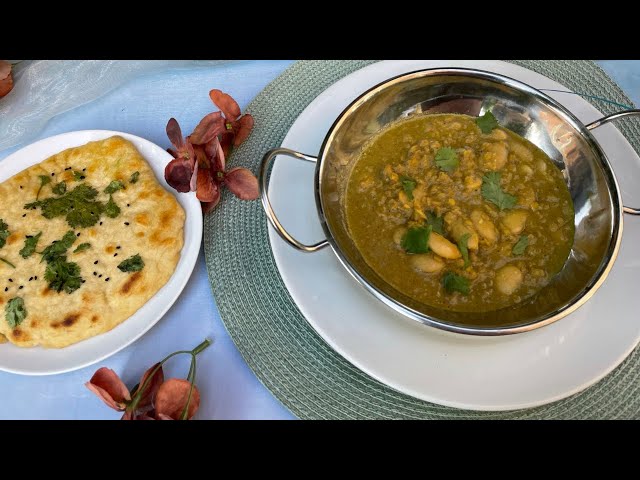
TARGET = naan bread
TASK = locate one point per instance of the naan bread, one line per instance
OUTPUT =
(150, 223)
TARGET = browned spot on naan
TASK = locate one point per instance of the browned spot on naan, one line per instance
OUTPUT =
(140, 234)
(68, 321)
(142, 219)
(94, 318)
(110, 249)
(34, 323)
(13, 238)
(165, 218)
(126, 288)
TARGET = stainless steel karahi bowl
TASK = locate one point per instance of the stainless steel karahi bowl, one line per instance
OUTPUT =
(518, 107)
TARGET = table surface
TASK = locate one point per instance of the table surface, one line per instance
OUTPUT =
(229, 389)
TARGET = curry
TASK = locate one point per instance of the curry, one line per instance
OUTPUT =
(458, 212)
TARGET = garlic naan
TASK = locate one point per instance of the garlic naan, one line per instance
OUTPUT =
(126, 242)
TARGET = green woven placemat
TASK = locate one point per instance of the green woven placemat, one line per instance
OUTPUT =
(292, 361)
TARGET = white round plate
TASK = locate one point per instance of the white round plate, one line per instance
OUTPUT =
(481, 373)
(45, 361)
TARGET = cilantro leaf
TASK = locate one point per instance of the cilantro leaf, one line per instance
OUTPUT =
(60, 188)
(58, 248)
(111, 210)
(521, 245)
(114, 186)
(63, 275)
(463, 245)
(4, 260)
(455, 283)
(82, 247)
(4, 233)
(78, 176)
(44, 180)
(134, 177)
(436, 223)
(416, 240)
(408, 185)
(132, 264)
(492, 191)
(487, 122)
(447, 159)
(30, 244)
(78, 206)
(15, 312)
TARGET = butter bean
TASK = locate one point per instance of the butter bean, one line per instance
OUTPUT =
(443, 247)
(427, 263)
(514, 221)
(508, 279)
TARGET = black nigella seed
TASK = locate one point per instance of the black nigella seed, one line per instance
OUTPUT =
(100, 276)
(78, 234)
(11, 280)
(118, 247)
(95, 273)
(128, 205)
(30, 278)
(106, 279)
(84, 169)
(83, 281)
(6, 289)
(82, 177)
(20, 287)
(52, 174)
(126, 223)
(96, 262)
(100, 223)
(115, 254)
(20, 187)
(35, 278)
(24, 215)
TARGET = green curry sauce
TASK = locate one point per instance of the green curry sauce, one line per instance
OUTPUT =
(457, 218)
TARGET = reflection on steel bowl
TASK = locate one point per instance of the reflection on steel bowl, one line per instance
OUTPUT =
(557, 135)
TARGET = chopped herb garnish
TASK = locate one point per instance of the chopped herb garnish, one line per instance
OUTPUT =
(82, 247)
(416, 240)
(134, 177)
(44, 180)
(487, 122)
(408, 185)
(132, 264)
(114, 186)
(4, 260)
(455, 283)
(78, 176)
(111, 210)
(78, 206)
(447, 159)
(464, 248)
(58, 248)
(436, 222)
(30, 244)
(15, 312)
(4, 233)
(63, 275)
(521, 245)
(60, 188)
(492, 191)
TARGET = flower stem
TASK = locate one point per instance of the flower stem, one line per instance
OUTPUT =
(203, 346)
(200, 348)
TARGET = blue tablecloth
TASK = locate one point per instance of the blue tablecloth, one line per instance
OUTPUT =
(229, 389)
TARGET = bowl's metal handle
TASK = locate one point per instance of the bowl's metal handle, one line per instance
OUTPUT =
(264, 184)
(607, 119)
